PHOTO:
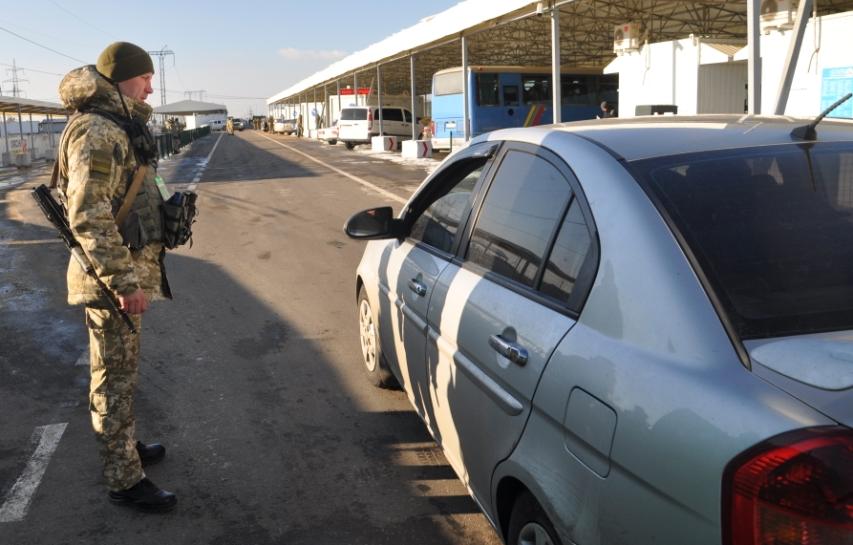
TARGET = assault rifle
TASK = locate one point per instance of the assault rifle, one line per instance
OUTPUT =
(56, 216)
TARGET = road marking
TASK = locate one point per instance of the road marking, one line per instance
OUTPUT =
(203, 165)
(83, 359)
(356, 179)
(19, 497)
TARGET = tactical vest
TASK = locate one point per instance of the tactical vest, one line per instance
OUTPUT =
(144, 223)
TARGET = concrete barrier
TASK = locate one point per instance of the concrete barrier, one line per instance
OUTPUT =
(384, 143)
(417, 149)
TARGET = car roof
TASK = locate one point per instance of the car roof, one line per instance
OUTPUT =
(662, 135)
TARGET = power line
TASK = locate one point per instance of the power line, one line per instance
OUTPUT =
(42, 46)
(32, 69)
(81, 19)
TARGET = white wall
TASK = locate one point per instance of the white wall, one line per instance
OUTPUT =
(696, 77)
(833, 35)
(722, 88)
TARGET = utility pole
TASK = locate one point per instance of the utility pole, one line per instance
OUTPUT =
(162, 56)
(15, 80)
(189, 94)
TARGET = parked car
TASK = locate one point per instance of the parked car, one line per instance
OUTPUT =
(358, 124)
(329, 134)
(629, 331)
(284, 126)
(239, 125)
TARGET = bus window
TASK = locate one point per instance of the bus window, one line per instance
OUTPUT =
(578, 89)
(487, 90)
(449, 83)
(510, 95)
(536, 89)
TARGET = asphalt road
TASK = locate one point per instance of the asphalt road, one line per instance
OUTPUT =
(251, 377)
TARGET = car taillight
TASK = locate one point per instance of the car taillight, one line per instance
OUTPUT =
(794, 489)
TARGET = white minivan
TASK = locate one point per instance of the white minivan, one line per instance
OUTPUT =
(358, 124)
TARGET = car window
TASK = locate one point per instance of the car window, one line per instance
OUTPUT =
(510, 95)
(391, 114)
(570, 249)
(438, 224)
(772, 230)
(408, 115)
(519, 215)
(353, 114)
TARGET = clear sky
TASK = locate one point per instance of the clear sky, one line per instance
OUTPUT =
(238, 52)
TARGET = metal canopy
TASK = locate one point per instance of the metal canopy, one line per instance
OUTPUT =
(189, 107)
(520, 35)
(27, 106)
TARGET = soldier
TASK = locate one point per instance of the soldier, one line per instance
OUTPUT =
(229, 126)
(104, 146)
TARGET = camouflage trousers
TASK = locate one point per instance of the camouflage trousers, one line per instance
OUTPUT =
(113, 360)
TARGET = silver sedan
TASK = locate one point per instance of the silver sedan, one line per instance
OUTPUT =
(630, 331)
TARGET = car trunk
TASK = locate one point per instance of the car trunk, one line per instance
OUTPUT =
(816, 368)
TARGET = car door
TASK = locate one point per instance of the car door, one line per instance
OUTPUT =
(413, 265)
(490, 330)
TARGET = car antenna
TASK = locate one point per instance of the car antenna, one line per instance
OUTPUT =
(808, 132)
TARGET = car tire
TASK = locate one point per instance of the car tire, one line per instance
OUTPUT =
(349, 145)
(371, 352)
(332, 142)
(529, 525)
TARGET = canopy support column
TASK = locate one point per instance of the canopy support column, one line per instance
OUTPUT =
(753, 34)
(804, 10)
(556, 84)
(466, 121)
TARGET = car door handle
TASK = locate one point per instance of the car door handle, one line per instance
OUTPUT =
(514, 352)
(418, 287)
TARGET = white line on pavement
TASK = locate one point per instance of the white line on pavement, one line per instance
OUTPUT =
(31, 242)
(356, 179)
(83, 359)
(19, 497)
(197, 177)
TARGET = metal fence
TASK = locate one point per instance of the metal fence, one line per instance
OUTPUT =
(171, 143)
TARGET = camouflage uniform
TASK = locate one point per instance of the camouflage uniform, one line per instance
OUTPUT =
(96, 164)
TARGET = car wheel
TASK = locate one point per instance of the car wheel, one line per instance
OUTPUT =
(349, 145)
(332, 142)
(529, 525)
(371, 353)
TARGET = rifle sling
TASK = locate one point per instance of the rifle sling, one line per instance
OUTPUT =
(130, 196)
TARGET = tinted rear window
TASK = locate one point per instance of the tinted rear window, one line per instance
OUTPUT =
(354, 114)
(773, 236)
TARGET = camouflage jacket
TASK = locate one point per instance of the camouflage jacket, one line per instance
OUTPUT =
(96, 164)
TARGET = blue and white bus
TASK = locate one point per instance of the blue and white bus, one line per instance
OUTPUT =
(513, 96)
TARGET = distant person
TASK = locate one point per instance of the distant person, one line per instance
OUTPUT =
(607, 110)
(229, 126)
(97, 160)
(299, 126)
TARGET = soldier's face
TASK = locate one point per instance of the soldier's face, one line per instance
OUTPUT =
(138, 87)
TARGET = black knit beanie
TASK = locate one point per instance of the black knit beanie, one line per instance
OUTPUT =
(122, 61)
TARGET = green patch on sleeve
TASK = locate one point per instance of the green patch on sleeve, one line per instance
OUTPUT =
(101, 164)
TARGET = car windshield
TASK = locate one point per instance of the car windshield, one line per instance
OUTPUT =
(354, 114)
(771, 229)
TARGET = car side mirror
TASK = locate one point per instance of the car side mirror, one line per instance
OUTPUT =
(374, 223)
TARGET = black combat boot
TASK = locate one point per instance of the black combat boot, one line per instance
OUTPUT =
(145, 496)
(150, 454)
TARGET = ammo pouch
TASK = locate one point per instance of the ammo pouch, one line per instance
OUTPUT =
(179, 214)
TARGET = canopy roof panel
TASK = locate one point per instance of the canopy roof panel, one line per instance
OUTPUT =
(28, 106)
(511, 33)
(189, 107)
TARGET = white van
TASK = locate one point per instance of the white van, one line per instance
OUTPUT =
(358, 124)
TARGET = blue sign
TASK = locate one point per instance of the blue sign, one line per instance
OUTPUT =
(837, 82)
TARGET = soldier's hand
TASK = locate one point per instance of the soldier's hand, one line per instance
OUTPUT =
(135, 303)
